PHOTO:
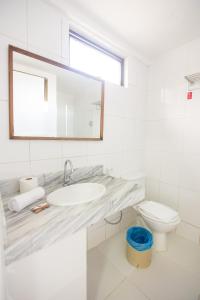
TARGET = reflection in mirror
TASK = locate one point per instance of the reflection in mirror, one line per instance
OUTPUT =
(49, 100)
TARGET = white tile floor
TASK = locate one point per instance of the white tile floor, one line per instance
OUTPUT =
(173, 275)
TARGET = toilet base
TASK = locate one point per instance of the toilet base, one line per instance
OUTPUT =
(160, 241)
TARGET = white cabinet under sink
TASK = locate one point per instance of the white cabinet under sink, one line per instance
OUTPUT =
(58, 272)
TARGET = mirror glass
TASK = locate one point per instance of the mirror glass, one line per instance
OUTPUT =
(54, 101)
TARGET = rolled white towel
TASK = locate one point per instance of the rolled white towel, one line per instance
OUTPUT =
(18, 202)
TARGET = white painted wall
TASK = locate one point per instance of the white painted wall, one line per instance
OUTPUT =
(173, 137)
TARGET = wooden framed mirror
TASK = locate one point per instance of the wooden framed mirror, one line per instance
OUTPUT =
(51, 101)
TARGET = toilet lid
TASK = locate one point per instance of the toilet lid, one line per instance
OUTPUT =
(158, 211)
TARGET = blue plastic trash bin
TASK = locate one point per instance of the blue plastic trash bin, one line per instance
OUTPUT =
(139, 246)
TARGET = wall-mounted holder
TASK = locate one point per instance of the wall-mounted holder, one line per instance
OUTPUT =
(193, 83)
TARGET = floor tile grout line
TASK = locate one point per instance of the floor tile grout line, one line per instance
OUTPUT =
(172, 261)
(183, 267)
(137, 287)
(110, 262)
(125, 276)
(114, 289)
(132, 282)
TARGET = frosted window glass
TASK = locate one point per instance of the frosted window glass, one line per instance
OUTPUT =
(94, 62)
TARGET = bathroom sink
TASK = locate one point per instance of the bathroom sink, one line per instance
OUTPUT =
(76, 194)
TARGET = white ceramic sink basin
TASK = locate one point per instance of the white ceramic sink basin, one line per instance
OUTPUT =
(75, 194)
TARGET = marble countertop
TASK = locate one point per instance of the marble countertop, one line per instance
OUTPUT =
(27, 232)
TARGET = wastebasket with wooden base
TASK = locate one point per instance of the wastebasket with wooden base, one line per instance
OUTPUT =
(139, 246)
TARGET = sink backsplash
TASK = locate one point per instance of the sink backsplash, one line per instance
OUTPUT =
(11, 186)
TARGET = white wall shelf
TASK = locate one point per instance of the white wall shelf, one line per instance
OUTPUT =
(193, 81)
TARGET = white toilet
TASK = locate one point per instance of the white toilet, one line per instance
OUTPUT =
(160, 219)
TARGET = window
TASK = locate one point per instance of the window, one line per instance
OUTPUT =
(93, 59)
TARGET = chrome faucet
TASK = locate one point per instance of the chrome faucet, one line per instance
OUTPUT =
(67, 175)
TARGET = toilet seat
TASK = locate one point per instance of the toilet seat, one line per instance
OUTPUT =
(160, 219)
(158, 212)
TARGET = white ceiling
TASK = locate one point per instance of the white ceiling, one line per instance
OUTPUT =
(150, 26)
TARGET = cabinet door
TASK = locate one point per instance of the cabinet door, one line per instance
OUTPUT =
(56, 272)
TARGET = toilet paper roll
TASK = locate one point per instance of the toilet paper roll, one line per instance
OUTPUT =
(26, 184)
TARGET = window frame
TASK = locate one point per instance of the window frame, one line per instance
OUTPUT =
(99, 48)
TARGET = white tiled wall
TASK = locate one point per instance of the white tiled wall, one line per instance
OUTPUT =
(37, 27)
(173, 136)
(101, 231)
(172, 123)
(40, 28)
